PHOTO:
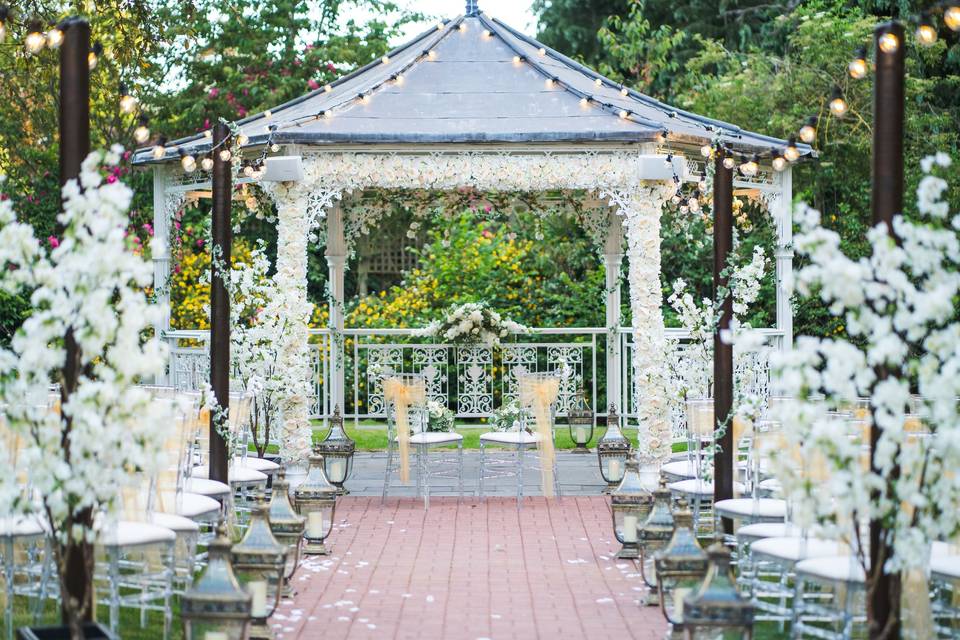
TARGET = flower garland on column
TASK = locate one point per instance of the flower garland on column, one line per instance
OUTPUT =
(289, 308)
(640, 209)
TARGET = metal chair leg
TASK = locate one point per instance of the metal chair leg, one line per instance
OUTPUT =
(423, 454)
(460, 463)
(483, 461)
(8, 569)
(519, 475)
(386, 473)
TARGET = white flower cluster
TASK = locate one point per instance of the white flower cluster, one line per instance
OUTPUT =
(899, 309)
(90, 288)
(746, 280)
(472, 323)
(439, 417)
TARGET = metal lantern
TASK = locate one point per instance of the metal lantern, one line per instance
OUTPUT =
(612, 451)
(580, 423)
(655, 533)
(337, 450)
(259, 561)
(630, 503)
(716, 609)
(287, 526)
(316, 500)
(216, 607)
(680, 567)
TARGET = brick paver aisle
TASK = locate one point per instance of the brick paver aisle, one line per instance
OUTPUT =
(469, 569)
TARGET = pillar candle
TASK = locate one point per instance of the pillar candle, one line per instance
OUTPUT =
(678, 596)
(258, 590)
(629, 528)
(215, 635)
(613, 470)
(338, 470)
(581, 435)
(315, 524)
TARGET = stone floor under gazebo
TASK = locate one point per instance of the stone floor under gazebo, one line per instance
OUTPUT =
(470, 569)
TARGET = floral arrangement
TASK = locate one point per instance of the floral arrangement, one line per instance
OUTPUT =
(508, 417)
(899, 307)
(472, 323)
(85, 334)
(439, 417)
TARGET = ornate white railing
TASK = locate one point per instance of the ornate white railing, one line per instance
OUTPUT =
(472, 380)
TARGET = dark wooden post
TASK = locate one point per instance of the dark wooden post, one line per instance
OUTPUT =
(722, 353)
(222, 235)
(883, 599)
(78, 557)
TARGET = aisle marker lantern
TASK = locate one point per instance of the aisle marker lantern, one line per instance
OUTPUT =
(680, 567)
(287, 527)
(716, 609)
(655, 533)
(630, 503)
(216, 607)
(612, 451)
(316, 500)
(580, 424)
(337, 450)
(259, 561)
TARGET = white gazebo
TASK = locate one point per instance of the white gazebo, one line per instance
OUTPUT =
(474, 104)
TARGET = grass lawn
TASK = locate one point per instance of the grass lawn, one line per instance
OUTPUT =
(129, 620)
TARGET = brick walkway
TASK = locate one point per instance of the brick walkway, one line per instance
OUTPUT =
(469, 569)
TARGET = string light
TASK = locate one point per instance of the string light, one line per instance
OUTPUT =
(889, 43)
(94, 56)
(926, 32)
(159, 151)
(274, 147)
(584, 102)
(779, 163)
(549, 82)
(207, 163)
(808, 132)
(188, 162)
(624, 91)
(462, 26)
(838, 106)
(598, 82)
(385, 59)
(439, 26)
(542, 51)
(951, 17)
(327, 88)
(750, 167)
(858, 66)
(516, 59)
(242, 139)
(248, 171)
(54, 37)
(207, 133)
(486, 33)
(4, 16)
(128, 104)
(729, 162)
(791, 153)
(432, 54)
(35, 39)
(706, 151)
(225, 155)
(267, 113)
(141, 133)
(624, 113)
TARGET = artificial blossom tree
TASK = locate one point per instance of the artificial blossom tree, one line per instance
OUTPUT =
(87, 334)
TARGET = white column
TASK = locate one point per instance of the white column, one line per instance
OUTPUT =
(161, 261)
(784, 252)
(612, 259)
(336, 261)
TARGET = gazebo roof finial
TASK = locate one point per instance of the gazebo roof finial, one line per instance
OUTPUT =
(472, 8)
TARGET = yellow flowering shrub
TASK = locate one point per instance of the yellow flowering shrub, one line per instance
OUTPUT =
(190, 285)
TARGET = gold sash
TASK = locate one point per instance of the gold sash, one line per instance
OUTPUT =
(538, 393)
(403, 393)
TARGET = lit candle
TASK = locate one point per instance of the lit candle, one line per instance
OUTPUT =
(338, 470)
(315, 524)
(581, 435)
(629, 528)
(613, 470)
(258, 590)
(678, 595)
(215, 635)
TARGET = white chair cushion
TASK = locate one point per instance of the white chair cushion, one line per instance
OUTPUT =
(260, 464)
(768, 508)
(177, 524)
(435, 437)
(20, 527)
(771, 484)
(132, 534)
(192, 505)
(699, 487)
(206, 487)
(235, 475)
(510, 437)
(795, 548)
(760, 530)
(680, 469)
(836, 568)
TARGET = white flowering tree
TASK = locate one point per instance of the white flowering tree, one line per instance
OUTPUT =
(86, 334)
(900, 309)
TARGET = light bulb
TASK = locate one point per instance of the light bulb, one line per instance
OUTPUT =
(189, 163)
(729, 162)
(207, 133)
(486, 33)
(542, 51)
(159, 151)
(791, 153)
(248, 171)
(858, 66)
(838, 106)
(750, 168)
(706, 151)
(94, 56)
(399, 78)
(54, 38)
(889, 43)
(598, 82)
(808, 132)
(207, 163)
(549, 83)
(385, 59)
(926, 33)
(267, 113)
(584, 103)
(141, 133)
(274, 147)
(462, 26)
(432, 54)
(516, 59)
(779, 163)
(128, 104)
(327, 88)
(624, 91)
(624, 113)
(439, 26)
(35, 39)
(242, 139)
(225, 155)
(951, 17)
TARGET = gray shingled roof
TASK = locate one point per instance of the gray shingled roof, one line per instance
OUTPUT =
(462, 83)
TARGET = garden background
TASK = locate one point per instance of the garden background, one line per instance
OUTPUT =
(765, 65)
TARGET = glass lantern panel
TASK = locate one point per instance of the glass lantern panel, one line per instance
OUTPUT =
(263, 587)
(625, 521)
(213, 629)
(335, 468)
(615, 467)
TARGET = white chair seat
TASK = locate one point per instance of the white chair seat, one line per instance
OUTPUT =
(259, 464)
(133, 534)
(795, 548)
(510, 437)
(20, 527)
(235, 475)
(435, 437)
(761, 530)
(697, 487)
(192, 505)
(765, 508)
(771, 484)
(947, 567)
(177, 524)
(679, 469)
(206, 487)
(836, 568)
